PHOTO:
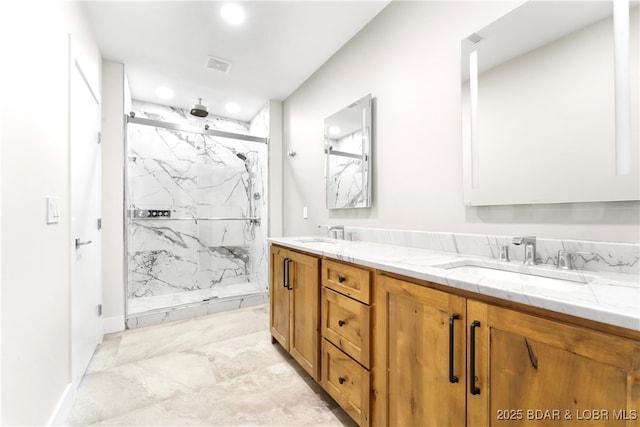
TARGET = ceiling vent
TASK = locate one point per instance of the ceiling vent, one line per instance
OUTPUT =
(217, 64)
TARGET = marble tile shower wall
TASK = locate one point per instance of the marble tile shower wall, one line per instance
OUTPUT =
(194, 176)
(595, 256)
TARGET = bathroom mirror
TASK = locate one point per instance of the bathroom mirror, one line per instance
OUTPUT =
(550, 105)
(347, 136)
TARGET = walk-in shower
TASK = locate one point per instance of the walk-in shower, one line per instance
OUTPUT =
(196, 220)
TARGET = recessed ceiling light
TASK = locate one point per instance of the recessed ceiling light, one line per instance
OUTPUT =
(334, 130)
(232, 107)
(232, 13)
(164, 92)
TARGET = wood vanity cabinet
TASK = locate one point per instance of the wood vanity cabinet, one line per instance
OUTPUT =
(346, 333)
(512, 368)
(294, 299)
(403, 352)
(420, 377)
(533, 371)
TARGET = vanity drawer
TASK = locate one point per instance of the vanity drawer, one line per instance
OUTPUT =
(345, 323)
(346, 381)
(346, 279)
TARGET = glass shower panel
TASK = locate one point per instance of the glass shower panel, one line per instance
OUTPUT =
(194, 221)
(227, 228)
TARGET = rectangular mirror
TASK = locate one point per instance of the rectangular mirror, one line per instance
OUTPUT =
(347, 136)
(550, 105)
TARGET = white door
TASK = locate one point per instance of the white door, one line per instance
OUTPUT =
(86, 265)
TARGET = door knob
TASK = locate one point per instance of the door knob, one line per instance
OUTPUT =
(79, 243)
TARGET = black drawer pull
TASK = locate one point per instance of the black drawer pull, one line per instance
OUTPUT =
(472, 368)
(341, 279)
(341, 380)
(341, 323)
(452, 378)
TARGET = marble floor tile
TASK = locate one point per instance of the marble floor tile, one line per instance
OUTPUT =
(216, 370)
(107, 393)
(105, 355)
(242, 355)
(184, 335)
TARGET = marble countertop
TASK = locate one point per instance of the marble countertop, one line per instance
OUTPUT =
(607, 297)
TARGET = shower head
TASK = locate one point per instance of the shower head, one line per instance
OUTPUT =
(242, 156)
(199, 110)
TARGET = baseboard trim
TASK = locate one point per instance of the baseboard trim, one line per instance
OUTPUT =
(112, 324)
(63, 408)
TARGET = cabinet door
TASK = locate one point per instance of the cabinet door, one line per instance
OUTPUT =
(304, 307)
(413, 355)
(532, 371)
(279, 298)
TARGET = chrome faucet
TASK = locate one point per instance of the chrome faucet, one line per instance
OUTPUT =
(503, 252)
(566, 259)
(337, 231)
(529, 243)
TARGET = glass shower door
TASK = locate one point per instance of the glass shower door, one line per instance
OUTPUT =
(226, 218)
(162, 242)
(193, 227)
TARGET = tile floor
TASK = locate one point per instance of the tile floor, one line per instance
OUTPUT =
(215, 370)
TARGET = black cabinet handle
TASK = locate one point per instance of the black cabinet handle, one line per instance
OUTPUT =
(285, 267)
(452, 378)
(341, 323)
(341, 279)
(284, 272)
(472, 363)
(341, 380)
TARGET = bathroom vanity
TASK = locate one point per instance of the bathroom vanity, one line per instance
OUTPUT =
(402, 335)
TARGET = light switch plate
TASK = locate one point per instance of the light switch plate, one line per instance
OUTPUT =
(305, 213)
(53, 210)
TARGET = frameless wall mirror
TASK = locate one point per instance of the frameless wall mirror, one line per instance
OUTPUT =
(550, 101)
(347, 136)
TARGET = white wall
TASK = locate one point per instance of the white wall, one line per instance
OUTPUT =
(114, 97)
(275, 169)
(408, 58)
(35, 164)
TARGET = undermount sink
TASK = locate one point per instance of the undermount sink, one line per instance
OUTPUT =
(316, 240)
(528, 282)
(515, 271)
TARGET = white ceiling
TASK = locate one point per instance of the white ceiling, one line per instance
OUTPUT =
(280, 44)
